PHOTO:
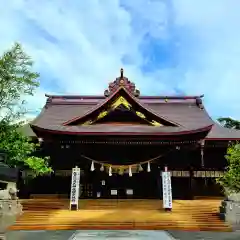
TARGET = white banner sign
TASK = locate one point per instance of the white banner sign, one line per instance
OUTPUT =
(129, 191)
(167, 190)
(114, 192)
(75, 187)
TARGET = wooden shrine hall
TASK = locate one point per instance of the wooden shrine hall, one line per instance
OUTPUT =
(122, 141)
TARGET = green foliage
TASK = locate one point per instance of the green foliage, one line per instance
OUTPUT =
(229, 123)
(230, 181)
(17, 80)
(20, 150)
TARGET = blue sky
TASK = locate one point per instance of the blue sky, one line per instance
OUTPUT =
(165, 46)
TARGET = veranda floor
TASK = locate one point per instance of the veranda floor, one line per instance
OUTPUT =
(53, 214)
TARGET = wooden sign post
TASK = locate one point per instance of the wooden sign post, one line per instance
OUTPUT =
(74, 195)
(167, 190)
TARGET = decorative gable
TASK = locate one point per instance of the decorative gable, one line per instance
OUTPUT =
(121, 110)
(121, 107)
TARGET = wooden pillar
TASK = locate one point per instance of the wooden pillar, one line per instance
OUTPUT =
(191, 175)
(202, 143)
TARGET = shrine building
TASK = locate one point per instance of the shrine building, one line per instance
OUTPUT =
(122, 141)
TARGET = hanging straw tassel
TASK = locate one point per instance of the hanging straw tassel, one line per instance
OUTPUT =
(121, 171)
(110, 171)
(92, 166)
(140, 169)
(130, 171)
(148, 167)
(102, 168)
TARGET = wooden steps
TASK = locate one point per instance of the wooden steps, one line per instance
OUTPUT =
(47, 196)
(53, 214)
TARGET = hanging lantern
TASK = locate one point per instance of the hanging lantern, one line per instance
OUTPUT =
(148, 167)
(92, 166)
(102, 168)
(130, 171)
(140, 169)
(110, 171)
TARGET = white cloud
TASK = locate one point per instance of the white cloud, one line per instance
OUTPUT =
(216, 51)
(79, 46)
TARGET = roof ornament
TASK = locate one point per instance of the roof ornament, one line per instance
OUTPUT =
(121, 72)
(199, 103)
(122, 82)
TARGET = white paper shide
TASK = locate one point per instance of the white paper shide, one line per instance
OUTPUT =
(167, 190)
(74, 195)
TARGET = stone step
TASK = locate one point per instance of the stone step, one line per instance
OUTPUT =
(120, 214)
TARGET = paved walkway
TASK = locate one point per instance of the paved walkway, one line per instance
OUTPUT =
(87, 235)
(121, 235)
(184, 235)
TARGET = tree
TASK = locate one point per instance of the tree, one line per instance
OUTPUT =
(17, 80)
(229, 123)
(230, 181)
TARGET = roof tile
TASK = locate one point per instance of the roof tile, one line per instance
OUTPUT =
(184, 112)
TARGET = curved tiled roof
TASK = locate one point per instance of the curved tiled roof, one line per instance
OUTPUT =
(183, 110)
(221, 133)
(185, 114)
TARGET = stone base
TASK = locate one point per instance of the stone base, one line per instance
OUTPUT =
(230, 212)
(73, 207)
(167, 209)
(9, 211)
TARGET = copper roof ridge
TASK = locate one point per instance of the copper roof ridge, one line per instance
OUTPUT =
(182, 97)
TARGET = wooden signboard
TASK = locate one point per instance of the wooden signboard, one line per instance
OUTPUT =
(74, 195)
(197, 174)
(167, 190)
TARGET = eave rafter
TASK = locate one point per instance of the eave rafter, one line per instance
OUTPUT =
(188, 134)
